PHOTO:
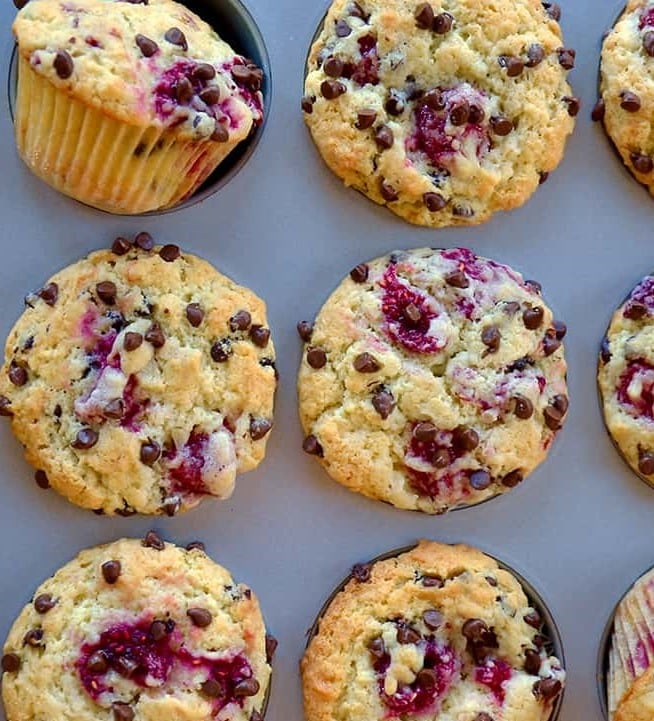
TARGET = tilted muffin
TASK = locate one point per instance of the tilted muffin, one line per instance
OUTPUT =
(140, 380)
(440, 632)
(444, 112)
(432, 379)
(138, 631)
(626, 378)
(627, 88)
(126, 106)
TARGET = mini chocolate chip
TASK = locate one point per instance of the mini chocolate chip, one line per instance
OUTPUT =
(17, 374)
(307, 103)
(553, 10)
(388, 192)
(532, 662)
(394, 104)
(424, 16)
(491, 338)
(547, 688)
(384, 137)
(49, 293)
(120, 246)
(153, 540)
(342, 28)
(171, 505)
(86, 438)
(377, 648)
(465, 439)
(646, 463)
(10, 662)
(126, 666)
(460, 113)
(5, 409)
(176, 37)
(221, 350)
(312, 446)
(333, 67)
(383, 401)
(247, 687)
(599, 111)
(305, 328)
(427, 678)
(44, 603)
(514, 66)
(155, 336)
(550, 344)
(183, 90)
(150, 452)
(500, 125)
(432, 582)
(316, 357)
(574, 105)
(211, 95)
(434, 202)
(144, 241)
(476, 115)
(332, 89)
(194, 314)
(359, 274)
(480, 480)
(642, 163)
(365, 118)
(212, 688)
(433, 619)
(457, 279)
(542, 177)
(535, 55)
(442, 23)
(271, 647)
(97, 663)
(106, 291)
(441, 458)
(200, 617)
(220, 133)
(629, 101)
(158, 630)
(122, 711)
(433, 99)
(132, 341)
(522, 407)
(361, 572)
(533, 619)
(241, 320)
(512, 479)
(648, 43)
(63, 64)
(259, 427)
(111, 571)
(42, 480)
(169, 252)
(533, 317)
(425, 432)
(259, 335)
(366, 363)
(408, 635)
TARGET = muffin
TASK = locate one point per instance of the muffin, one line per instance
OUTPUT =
(126, 106)
(626, 103)
(626, 379)
(432, 379)
(138, 630)
(630, 676)
(439, 632)
(443, 112)
(140, 380)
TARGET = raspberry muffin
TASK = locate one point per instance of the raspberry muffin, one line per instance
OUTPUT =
(445, 112)
(128, 106)
(432, 379)
(626, 103)
(626, 379)
(138, 631)
(140, 380)
(440, 632)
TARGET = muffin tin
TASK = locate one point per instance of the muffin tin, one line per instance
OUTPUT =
(580, 529)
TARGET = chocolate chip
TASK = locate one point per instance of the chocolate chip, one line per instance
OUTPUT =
(259, 427)
(20, 4)
(120, 246)
(476, 115)
(629, 101)
(171, 505)
(366, 363)
(42, 480)
(356, 11)
(183, 90)
(49, 293)
(212, 688)
(407, 635)
(560, 329)
(432, 582)
(365, 118)
(550, 343)
(122, 711)
(248, 76)
(241, 320)
(646, 463)
(542, 177)
(457, 279)
(547, 689)
(648, 43)
(442, 23)
(512, 479)
(158, 630)
(361, 572)
(635, 310)
(150, 452)
(259, 335)
(553, 10)
(132, 341)
(194, 314)
(111, 571)
(433, 619)
(126, 666)
(533, 619)
(153, 540)
(532, 662)
(441, 458)
(312, 446)
(599, 111)
(144, 241)
(425, 432)
(176, 37)
(465, 439)
(514, 66)
(642, 163)
(5, 409)
(204, 72)
(17, 374)
(394, 104)
(97, 663)
(377, 648)
(63, 64)
(33, 637)
(200, 617)
(535, 55)
(424, 16)
(271, 647)
(476, 630)
(211, 95)
(434, 202)
(106, 291)
(305, 327)
(342, 29)
(491, 338)
(221, 350)
(567, 58)
(332, 89)
(383, 401)
(333, 67)
(561, 403)
(114, 409)
(605, 351)
(169, 252)
(553, 417)
(483, 716)
(460, 113)
(533, 317)
(316, 357)
(155, 336)
(44, 603)
(195, 546)
(220, 133)
(500, 125)
(86, 438)
(574, 105)
(480, 480)
(10, 662)
(384, 137)
(522, 407)
(247, 687)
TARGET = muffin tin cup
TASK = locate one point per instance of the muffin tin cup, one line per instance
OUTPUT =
(550, 628)
(236, 26)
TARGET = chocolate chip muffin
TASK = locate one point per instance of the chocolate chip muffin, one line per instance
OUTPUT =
(440, 632)
(140, 380)
(626, 103)
(432, 379)
(626, 379)
(445, 112)
(128, 106)
(138, 630)
(638, 702)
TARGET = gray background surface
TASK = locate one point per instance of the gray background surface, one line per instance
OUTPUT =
(580, 528)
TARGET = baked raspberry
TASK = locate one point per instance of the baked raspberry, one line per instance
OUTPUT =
(366, 70)
(636, 388)
(646, 18)
(641, 299)
(494, 674)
